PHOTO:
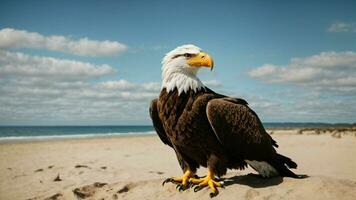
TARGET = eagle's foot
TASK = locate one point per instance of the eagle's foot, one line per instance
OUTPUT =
(182, 182)
(207, 181)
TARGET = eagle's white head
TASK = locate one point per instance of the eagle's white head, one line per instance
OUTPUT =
(180, 66)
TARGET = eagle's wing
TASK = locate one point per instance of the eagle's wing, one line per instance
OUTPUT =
(239, 129)
(158, 124)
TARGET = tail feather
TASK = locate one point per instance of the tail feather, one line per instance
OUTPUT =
(280, 163)
(289, 162)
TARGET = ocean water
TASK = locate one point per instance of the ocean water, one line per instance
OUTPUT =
(11, 133)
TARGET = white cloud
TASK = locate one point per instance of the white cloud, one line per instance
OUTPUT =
(325, 92)
(264, 70)
(117, 85)
(326, 71)
(341, 27)
(126, 85)
(12, 38)
(19, 64)
(212, 83)
(44, 90)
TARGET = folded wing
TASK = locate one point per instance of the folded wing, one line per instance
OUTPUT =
(158, 124)
(239, 129)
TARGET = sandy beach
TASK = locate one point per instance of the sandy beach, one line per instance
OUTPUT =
(133, 167)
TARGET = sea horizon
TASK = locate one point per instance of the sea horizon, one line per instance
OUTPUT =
(53, 132)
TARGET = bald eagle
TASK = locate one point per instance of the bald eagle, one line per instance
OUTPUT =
(208, 129)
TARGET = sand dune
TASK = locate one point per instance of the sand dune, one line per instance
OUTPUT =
(134, 168)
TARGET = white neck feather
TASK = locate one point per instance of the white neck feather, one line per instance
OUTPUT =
(176, 73)
(182, 78)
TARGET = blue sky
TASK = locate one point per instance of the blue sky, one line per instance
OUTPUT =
(254, 45)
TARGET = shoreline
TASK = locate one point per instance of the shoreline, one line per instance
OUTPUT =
(25, 139)
(334, 131)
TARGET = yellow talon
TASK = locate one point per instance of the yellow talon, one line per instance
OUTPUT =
(182, 182)
(207, 181)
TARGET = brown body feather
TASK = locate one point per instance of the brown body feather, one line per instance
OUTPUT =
(208, 129)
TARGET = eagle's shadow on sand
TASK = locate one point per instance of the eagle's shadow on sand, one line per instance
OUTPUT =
(252, 180)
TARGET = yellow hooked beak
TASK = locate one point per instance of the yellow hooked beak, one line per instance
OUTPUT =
(201, 60)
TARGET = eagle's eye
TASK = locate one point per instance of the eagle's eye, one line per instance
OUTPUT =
(187, 55)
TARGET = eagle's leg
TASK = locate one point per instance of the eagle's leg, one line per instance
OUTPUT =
(182, 182)
(207, 181)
